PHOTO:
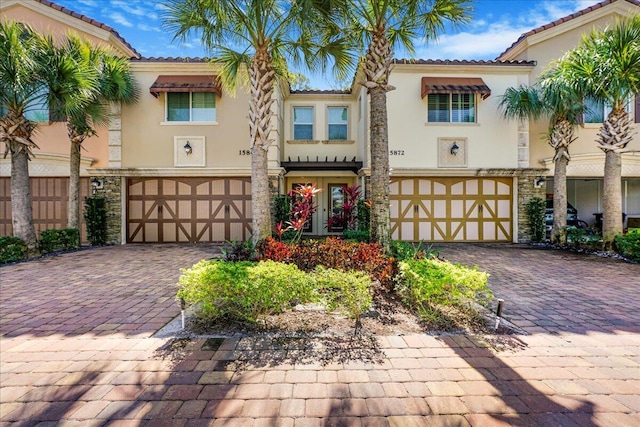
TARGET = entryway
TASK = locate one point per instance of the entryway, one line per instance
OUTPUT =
(329, 200)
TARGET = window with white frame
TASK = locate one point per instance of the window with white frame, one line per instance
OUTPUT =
(451, 108)
(302, 123)
(191, 107)
(338, 124)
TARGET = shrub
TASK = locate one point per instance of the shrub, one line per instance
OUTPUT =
(239, 250)
(12, 249)
(243, 290)
(426, 283)
(342, 255)
(581, 238)
(95, 217)
(59, 240)
(628, 245)
(535, 210)
(403, 251)
(347, 290)
(363, 215)
(274, 250)
(356, 236)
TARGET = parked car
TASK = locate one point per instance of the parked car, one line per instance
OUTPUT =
(572, 214)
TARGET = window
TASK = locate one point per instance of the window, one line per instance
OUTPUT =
(451, 107)
(597, 111)
(191, 107)
(338, 125)
(302, 123)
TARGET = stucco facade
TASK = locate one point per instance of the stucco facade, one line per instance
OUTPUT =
(456, 179)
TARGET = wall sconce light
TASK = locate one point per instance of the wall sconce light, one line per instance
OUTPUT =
(454, 149)
(96, 184)
(539, 182)
(188, 148)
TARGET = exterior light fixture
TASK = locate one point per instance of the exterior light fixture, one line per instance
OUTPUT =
(188, 148)
(454, 149)
(95, 185)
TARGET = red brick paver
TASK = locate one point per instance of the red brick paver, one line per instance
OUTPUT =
(77, 349)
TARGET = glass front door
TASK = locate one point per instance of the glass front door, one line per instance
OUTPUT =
(336, 204)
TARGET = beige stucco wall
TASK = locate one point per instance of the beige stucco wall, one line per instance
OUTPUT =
(52, 137)
(550, 45)
(148, 141)
(491, 142)
(319, 146)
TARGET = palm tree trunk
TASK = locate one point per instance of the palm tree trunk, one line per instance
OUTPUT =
(612, 199)
(73, 210)
(262, 85)
(380, 216)
(377, 70)
(558, 230)
(21, 208)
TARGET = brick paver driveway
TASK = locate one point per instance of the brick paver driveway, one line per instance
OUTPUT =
(77, 349)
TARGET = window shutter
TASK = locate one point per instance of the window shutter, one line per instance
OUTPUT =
(638, 108)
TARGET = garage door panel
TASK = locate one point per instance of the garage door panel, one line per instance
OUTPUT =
(451, 209)
(188, 209)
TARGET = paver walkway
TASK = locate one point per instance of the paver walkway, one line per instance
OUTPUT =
(76, 348)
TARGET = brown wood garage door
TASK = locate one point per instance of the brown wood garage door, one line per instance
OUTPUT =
(171, 210)
(451, 209)
(49, 200)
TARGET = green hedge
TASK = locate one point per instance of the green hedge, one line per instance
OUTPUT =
(247, 291)
(426, 283)
(12, 249)
(628, 245)
(59, 240)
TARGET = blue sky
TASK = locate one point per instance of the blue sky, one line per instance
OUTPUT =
(494, 26)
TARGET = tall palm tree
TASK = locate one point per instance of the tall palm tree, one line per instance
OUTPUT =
(112, 81)
(379, 26)
(25, 71)
(606, 67)
(557, 102)
(259, 36)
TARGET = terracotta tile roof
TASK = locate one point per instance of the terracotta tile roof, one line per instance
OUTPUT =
(170, 59)
(564, 19)
(89, 21)
(461, 62)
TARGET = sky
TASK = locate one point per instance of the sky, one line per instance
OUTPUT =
(495, 25)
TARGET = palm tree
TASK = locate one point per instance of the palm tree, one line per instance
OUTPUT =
(606, 68)
(25, 71)
(555, 101)
(379, 26)
(259, 36)
(111, 81)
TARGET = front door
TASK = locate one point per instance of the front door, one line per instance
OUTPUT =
(329, 201)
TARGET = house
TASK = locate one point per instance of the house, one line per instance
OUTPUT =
(175, 167)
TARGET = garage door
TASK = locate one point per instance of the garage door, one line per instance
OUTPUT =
(451, 209)
(172, 210)
(49, 200)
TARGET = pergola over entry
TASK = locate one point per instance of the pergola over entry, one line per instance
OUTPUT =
(435, 85)
(197, 83)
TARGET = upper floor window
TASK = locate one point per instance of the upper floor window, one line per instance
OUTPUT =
(597, 111)
(451, 108)
(338, 123)
(302, 123)
(191, 107)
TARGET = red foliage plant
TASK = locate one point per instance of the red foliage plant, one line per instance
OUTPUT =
(333, 253)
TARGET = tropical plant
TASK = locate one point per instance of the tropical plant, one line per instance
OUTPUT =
(26, 70)
(111, 81)
(605, 67)
(535, 209)
(379, 26)
(554, 100)
(258, 36)
(95, 218)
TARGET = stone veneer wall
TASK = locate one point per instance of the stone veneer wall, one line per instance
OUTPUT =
(112, 192)
(526, 192)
